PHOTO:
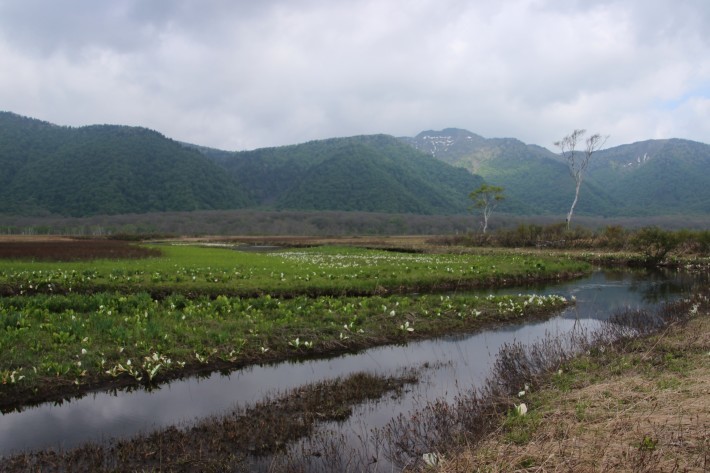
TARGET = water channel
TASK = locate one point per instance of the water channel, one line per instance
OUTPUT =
(461, 362)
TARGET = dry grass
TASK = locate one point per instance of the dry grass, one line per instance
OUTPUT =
(646, 409)
(72, 250)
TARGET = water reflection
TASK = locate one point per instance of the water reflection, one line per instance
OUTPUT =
(460, 361)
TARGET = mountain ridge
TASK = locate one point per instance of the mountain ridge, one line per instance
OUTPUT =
(48, 169)
(650, 177)
(113, 169)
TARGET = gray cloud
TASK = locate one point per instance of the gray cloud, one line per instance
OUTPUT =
(242, 74)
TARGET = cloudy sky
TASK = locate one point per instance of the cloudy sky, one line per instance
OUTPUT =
(243, 74)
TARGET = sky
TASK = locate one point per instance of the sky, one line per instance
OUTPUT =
(246, 74)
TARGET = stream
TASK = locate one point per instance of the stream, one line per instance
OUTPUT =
(456, 363)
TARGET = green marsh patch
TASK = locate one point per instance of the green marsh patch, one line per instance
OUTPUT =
(336, 271)
(59, 344)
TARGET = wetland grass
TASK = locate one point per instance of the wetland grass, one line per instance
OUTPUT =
(190, 310)
(334, 271)
(73, 326)
(59, 345)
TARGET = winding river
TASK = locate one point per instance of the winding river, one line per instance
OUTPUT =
(458, 362)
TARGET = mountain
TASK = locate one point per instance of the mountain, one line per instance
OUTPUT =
(104, 169)
(47, 169)
(652, 177)
(656, 176)
(373, 173)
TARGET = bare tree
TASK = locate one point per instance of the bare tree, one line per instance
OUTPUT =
(486, 198)
(578, 162)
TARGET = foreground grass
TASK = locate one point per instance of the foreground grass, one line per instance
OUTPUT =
(60, 343)
(640, 406)
(74, 326)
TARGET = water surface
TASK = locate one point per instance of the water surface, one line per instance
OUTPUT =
(459, 361)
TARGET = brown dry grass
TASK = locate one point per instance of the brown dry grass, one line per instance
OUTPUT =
(71, 250)
(406, 242)
(6, 238)
(646, 409)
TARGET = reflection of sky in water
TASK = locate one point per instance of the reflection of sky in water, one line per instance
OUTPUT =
(460, 362)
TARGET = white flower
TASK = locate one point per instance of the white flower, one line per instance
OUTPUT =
(521, 409)
(431, 459)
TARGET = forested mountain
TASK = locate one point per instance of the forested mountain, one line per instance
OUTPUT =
(647, 178)
(374, 173)
(657, 176)
(48, 169)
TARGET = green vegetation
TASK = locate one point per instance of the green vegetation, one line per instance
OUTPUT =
(527, 172)
(104, 170)
(518, 428)
(486, 198)
(81, 339)
(112, 170)
(315, 271)
(654, 177)
(73, 325)
(109, 170)
(375, 173)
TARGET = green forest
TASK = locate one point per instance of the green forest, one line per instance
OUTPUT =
(649, 178)
(48, 170)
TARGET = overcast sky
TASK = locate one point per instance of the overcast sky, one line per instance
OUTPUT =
(244, 74)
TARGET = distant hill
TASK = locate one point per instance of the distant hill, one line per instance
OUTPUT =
(47, 169)
(655, 177)
(373, 173)
(104, 169)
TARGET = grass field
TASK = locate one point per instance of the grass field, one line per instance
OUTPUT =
(315, 271)
(72, 324)
(101, 318)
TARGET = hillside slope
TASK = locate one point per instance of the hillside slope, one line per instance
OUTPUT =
(655, 177)
(104, 169)
(47, 169)
(108, 170)
(374, 173)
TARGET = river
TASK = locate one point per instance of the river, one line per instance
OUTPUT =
(457, 363)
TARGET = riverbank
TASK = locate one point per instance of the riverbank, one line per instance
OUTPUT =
(641, 405)
(318, 451)
(76, 326)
